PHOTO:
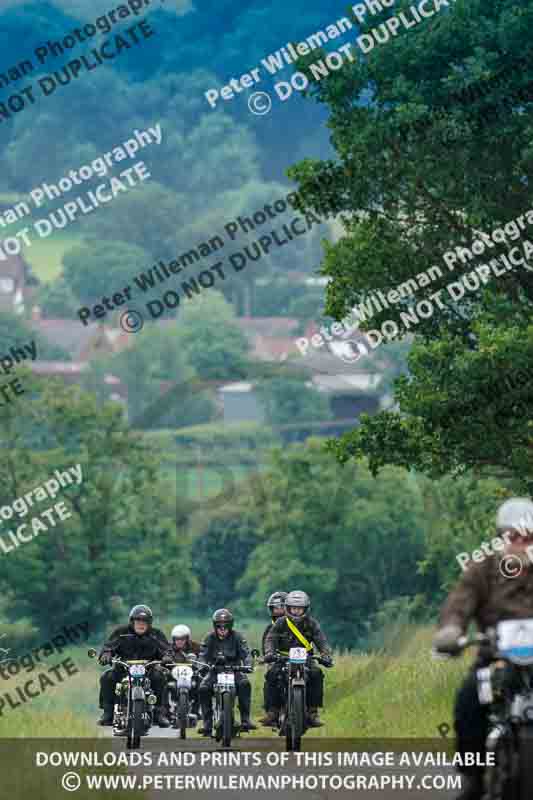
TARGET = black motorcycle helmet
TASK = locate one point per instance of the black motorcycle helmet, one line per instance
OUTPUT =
(276, 600)
(223, 616)
(143, 614)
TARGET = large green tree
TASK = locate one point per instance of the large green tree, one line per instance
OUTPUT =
(96, 269)
(208, 334)
(122, 537)
(287, 401)
(350, 541)
(16, 332)
(154, 360)
(407, 194)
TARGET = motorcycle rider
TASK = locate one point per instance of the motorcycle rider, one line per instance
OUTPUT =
(484, 594)
(271, 690)
(225, 645)
(183, 646)
(137, 640)
(297, 629)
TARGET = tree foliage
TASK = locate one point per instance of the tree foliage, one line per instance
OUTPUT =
(208, 334)
(121, 539)
(351, 541)
(288, 401)
(405, 201)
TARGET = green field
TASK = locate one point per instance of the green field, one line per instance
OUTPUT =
(45, 255)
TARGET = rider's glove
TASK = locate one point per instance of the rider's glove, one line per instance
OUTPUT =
(105, 659)
(445, 640)
(270, 659)
(326, 661)
(221, 660)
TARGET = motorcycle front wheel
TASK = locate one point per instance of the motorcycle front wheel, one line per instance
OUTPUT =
(182, 711)
(138, 722)
(525, 763)
(500, 780)
(227, 719)
(295, 721)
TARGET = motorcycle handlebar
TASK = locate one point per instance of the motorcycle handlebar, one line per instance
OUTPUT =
(280, 657)
(225, 667)
(128, 665)
(464, 642)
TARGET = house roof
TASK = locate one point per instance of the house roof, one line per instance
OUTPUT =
(267, 326)
(58, 367)
(74, 337)
(342, 383)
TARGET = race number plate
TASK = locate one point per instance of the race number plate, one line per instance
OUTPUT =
(226, 679)
(297, 655)
(183, 677)
(137, 670)
(515, 640)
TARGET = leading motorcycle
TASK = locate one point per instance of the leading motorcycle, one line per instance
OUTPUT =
(506, 687)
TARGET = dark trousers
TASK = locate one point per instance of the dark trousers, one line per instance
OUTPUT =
(244, 696)
(471, 721)
(272, 689)
(111, 677)
(273, 692)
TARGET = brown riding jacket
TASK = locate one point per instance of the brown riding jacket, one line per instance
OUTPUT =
(484, 595)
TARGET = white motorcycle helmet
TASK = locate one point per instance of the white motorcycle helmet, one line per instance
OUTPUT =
(516, 516)
(180, 632)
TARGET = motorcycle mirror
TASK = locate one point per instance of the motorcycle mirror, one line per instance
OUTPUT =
(92, 653)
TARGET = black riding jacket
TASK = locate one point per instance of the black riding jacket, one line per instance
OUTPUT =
(234, 648)
(265, 634)
(281, 638)
(130, 646)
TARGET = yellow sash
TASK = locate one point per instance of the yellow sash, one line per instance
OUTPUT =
(301, 638)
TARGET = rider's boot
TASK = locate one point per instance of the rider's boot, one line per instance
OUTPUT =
(161, 717)
(107, 716)
(207, 727)
(472, 787)
(271, 718)
(207, 715)
(313, 719)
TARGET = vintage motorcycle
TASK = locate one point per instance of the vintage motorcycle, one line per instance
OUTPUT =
(292, 721)
(506, 687)
(180, 685)
(134, 707)
(224, 694)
